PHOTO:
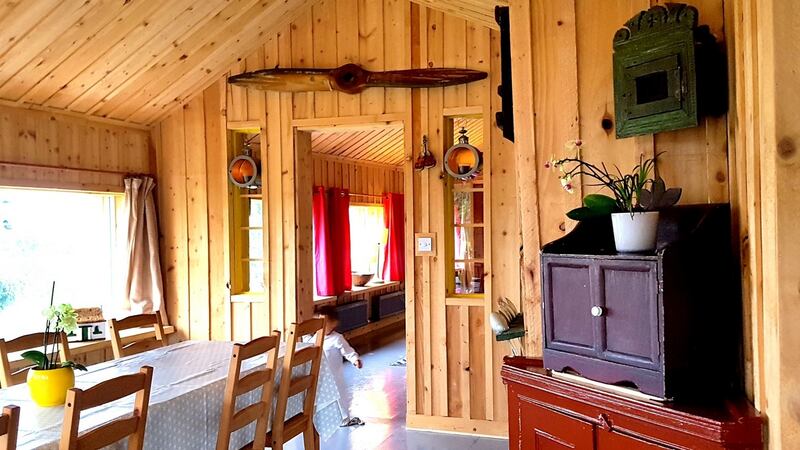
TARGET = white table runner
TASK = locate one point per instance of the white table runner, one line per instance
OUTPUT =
(185, 400)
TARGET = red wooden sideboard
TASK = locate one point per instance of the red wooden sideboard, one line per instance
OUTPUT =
(546, 413)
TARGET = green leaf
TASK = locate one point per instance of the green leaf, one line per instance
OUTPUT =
(74, 365)
(582, 213)
(600, 203)
(38, 358)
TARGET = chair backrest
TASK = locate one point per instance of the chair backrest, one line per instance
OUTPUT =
(290, 387)
(130, 346)
(9, 425)
(263, 377)
(12, 373)
(106, 392)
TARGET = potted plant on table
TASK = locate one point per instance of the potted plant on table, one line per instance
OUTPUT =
(49, 380)
(634, 206)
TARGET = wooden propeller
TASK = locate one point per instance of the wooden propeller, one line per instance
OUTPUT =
(351, 78)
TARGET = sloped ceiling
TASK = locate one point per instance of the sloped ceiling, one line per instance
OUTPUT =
(477, 11)
(130, 60)
(133, 60)
(380, 145)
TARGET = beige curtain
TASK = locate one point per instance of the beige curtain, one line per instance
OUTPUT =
(143, 287)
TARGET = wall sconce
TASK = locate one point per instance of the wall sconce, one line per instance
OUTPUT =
(463, 161)
(244, 171)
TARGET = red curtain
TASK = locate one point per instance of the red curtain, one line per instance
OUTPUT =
(339, 219)
(323, 254)
(394, 255)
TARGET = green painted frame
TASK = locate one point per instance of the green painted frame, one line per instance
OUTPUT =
(659, 40)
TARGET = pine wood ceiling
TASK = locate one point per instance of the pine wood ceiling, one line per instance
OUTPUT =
(477, 11)
(130, 60)
(134, 60)
(382, 145)
(379, 145)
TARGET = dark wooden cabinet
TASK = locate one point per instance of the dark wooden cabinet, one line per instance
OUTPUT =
(546, 413)
(665, 322)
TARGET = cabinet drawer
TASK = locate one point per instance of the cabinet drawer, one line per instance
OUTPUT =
(545, 429)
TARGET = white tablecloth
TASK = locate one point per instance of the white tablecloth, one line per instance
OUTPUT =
(185, 400)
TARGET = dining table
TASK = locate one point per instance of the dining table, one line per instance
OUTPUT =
(185, 399)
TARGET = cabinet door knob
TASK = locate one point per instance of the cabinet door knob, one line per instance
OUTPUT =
(597, 311)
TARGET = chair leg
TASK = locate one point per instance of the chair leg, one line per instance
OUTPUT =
(310, 437)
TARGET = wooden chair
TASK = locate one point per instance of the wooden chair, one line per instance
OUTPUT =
(16, 372)
(284, 430)
(264, 378)
(9, 425)
(126, 346)
(106, 392)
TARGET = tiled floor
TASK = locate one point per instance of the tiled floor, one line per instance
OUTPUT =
(379, 398)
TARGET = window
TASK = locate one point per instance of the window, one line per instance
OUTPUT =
(69, 238)
(367, 238)
(247, 222)
(466, 243)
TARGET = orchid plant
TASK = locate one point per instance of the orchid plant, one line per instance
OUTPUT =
(634, 191)
(58, 318)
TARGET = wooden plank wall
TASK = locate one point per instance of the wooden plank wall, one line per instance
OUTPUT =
(378, 35)
(566, 75)
(765, 162)
(369, 179)
(75, 150)
(455, 359)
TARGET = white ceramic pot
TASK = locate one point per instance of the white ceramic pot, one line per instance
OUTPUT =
(635, 232)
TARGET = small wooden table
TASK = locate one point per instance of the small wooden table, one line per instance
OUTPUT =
(549, 413)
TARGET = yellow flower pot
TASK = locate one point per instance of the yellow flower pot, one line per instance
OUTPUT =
(49, 387)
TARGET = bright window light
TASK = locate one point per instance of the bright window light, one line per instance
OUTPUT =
(68, 237)
(367, 238)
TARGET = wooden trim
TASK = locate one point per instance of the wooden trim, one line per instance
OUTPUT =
(465, 111)
(69, 169)
(86, 117)
(457, 425)
(465, 301)
(526, 168)
(363, 122)
(62, 185)
(244, 126)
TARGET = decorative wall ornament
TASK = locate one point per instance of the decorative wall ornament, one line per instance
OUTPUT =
(463, 160)
(668, 72)
(244, 171)
(425, 160)
(351, 79)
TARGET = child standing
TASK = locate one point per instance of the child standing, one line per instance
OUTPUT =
(336, 347)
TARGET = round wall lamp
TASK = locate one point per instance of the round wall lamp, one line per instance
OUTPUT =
(243, 171)
(463, 161)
